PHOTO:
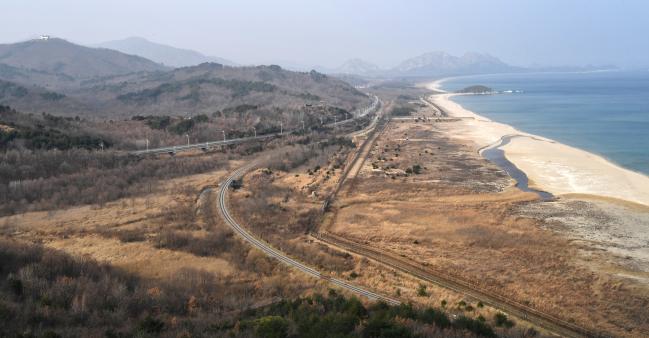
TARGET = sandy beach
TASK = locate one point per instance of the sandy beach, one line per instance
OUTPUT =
(550, 166)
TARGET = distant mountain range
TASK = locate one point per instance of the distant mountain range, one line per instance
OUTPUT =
(166, 55)
(443, 64)
(434, 64)
(57, 76)
(63, 78)
(357, 67)
(58, 56)
(440, 64)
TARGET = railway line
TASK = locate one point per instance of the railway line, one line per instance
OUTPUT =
(266, 248)
(375, 128)
(440, 278)
(222, 205)
(541, 319)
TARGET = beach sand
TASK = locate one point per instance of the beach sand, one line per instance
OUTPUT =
(549, 165)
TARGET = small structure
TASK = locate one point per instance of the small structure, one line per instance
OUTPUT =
(44, 37)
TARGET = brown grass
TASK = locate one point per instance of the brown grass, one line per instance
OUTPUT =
(458, 216)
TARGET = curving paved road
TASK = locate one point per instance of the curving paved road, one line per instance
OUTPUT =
(374, 105)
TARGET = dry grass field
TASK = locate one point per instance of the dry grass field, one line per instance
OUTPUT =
(283, 206)
(161, 236)
(420, 195)
(462, 215)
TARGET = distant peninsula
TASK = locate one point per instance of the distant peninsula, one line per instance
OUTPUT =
(477, 89)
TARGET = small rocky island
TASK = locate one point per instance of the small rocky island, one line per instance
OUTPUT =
(477, 89)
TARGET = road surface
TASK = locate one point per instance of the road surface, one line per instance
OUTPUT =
(373, 106)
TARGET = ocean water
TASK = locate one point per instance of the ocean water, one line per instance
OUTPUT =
(606, 113)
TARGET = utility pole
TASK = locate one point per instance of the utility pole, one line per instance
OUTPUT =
(223, 131)
(187, 138)
(281, 127)
(147, 144)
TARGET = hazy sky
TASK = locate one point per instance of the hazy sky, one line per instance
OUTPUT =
(328, 32)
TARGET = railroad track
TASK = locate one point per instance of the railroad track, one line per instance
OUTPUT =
(542, 319)
(266, 248)
(222, 204)
(360, 155)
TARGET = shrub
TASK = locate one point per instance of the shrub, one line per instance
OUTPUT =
(502, 320)
(474, 326)
(432, 316)
(202, 118)
(236, 184)
(128, 236)
(382, 326)
(182, 126)
(271, 327)
(421, 291)
(170, 239)
(157, 122)
(150, 325)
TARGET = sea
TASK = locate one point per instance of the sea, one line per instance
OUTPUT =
(605, 113)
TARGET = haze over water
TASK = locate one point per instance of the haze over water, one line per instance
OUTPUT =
(606, 113)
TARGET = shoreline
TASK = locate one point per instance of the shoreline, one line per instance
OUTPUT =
(550, 166)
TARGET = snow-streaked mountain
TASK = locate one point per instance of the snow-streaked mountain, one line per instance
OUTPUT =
(167, 55)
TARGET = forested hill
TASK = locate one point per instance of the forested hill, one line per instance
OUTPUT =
(210, 87)
(61, 78)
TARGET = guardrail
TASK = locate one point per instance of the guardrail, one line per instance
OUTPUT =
(373, 106)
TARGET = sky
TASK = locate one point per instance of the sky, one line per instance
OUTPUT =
(327, 33)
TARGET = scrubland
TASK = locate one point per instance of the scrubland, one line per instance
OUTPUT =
(458, 214)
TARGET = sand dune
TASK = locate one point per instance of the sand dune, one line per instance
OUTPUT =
(550, 165)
